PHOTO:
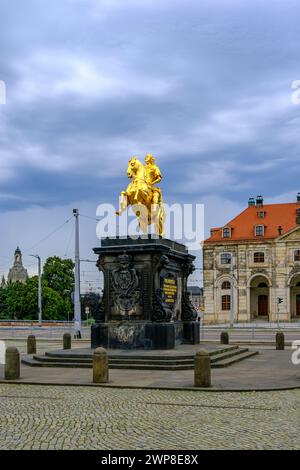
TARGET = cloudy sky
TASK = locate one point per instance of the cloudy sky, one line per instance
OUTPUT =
(203, 85)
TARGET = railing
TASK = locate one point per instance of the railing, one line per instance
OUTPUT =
(35, 323)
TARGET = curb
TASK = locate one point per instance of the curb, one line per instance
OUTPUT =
(149, 387)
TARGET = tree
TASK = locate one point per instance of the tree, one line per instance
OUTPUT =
(59, 275)
(54, 307)
(15, 301)
(20, 302)
(3, 304)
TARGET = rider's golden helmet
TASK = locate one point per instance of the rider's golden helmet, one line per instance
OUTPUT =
(149, 158)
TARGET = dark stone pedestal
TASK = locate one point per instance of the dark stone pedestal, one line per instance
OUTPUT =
(99, 336)
(133, 335)
(191, 332)
(119, 335)
(160, 335)
(146, 303)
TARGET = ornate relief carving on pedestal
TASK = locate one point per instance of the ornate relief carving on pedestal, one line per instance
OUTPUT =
(125, 285)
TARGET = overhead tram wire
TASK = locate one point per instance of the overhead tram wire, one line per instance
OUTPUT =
(89, 217)
(48, 236)
(69, 242)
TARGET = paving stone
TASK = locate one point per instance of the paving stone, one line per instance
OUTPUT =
(61, 417)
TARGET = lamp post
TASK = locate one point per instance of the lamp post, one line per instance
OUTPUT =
(231, 293)
(39, 288)
(77, 305)
(279, 301)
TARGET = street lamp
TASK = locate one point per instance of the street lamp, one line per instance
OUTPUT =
(279, 301)
(231, 292)
(39, 288)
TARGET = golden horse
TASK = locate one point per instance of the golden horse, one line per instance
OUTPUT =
(140, 196)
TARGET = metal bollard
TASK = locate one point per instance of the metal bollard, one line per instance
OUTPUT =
(279, 340)
(12, 364)
(67, 341)
(224, 338)
(100, 366)
(202, 372)
(31, 344)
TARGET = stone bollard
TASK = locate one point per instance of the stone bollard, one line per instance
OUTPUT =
(224, 337)
(12, 364)
(31, 344)
(67, 341)
(202, 374)
(280, 340)
(100, 366)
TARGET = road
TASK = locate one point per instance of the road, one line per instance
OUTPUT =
(207, 333)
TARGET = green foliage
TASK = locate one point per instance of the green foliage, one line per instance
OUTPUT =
(20, 301)
(59, 275)
(3, 304)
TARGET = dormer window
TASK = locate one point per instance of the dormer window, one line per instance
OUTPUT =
(226, 232)
(261, 214)
(259, 230)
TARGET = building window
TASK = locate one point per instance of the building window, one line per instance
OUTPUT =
(259, 257)
(225, 258)
(262, 285)
(225, 302)
(259, 230)
(225, 285)
(297, 255)
(261, 214)
(226, 232)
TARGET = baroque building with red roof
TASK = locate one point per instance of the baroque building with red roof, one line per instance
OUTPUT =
(252, 265)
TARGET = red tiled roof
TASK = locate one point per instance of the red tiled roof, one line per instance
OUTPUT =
(242, 226)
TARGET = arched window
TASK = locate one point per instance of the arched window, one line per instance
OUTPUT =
(297, 255)
(262, 284)
(225, 302)
(225, 285)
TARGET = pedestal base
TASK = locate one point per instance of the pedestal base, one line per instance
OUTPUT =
(191, 332)
(160, 335)
(134, 335)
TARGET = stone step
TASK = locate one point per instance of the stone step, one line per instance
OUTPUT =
(223, 359)
(232, 360)
(30, 361)
(153, 357)
(113, 360)
(33, 363)
(227, 354)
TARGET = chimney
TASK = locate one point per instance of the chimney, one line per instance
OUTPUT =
(251, 202)
(298, 198)
(279, 230)
(298, 216)
(259, 201)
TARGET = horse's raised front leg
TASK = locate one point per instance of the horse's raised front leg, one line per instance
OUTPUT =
(123, 203)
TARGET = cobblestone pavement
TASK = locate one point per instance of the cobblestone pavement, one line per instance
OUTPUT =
(54, 417)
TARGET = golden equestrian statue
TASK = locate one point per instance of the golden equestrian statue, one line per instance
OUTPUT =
(142, 194)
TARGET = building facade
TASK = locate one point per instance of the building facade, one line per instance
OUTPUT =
(251, 266)
(196, 296)
(17, 273)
